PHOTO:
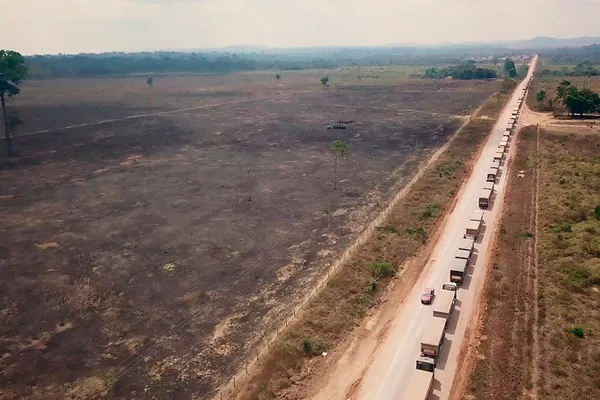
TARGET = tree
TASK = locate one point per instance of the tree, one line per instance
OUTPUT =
(12, 72)
(509, 68)
(325, 81)
(580, 101)
(278, 77)
(540, 96)
(150, 81)
(339, 149)
(561, 90)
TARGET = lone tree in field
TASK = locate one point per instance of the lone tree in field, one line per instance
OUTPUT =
(339, 149)
(325, 81)
(509, 68)
(278, 77)
(150, 81)
(12, 72)
(540, 96)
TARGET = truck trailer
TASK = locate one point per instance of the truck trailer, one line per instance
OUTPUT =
(467, 244)
(501, 148)
(444, 304)
(488, 186)
(419, 386)
(458, 270)
(498, 156)
(462, 254)
(472, 230)
(432, 338)
(491, 174)
(484, 198)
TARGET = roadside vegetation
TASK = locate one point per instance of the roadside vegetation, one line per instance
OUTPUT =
(357, 285)
(569, 265)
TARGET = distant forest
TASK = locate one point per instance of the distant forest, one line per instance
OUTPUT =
(574, 55)
(87, 65)
(161, 62)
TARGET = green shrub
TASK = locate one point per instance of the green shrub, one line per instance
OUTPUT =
(313, 348)
(597, 212)
(525, 235)
(382, 270)
(430, 211)
(577, 331)
(372, 287)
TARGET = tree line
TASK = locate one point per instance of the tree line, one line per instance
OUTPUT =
(577, 101)
(465, 71)
(86, 65)
(573, 55)
(585, 68)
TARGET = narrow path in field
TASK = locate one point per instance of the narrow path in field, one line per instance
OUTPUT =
(179, 110)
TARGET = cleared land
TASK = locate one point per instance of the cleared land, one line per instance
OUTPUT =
(132, 258)
(568, 276)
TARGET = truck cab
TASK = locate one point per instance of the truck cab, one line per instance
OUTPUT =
(426, 364)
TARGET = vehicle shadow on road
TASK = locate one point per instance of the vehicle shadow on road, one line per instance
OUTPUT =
(453, 321)
(437, 386)
(443, 357)
(481, 234)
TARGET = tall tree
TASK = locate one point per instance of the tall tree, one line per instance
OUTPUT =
(540, 96)
(325, 81)
(339, 149)
(509, 68)
(12, 72)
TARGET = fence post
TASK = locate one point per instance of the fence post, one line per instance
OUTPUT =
(234, 382)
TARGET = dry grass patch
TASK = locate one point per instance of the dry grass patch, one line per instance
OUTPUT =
(503, 367)
(569, 265)
(341, 305)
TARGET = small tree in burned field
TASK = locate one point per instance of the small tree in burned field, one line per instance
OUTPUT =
(325, 82)
(338, 149)
(278, 77)
(12, 72)
(150, 81)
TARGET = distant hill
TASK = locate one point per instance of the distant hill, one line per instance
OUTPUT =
(541, 42)
(550, 42)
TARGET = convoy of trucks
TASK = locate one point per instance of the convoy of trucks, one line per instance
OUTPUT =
(432, 339)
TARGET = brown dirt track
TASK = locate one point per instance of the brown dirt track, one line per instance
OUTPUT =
(130, 249)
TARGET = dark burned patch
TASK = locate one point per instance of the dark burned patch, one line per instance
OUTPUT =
(164, 276)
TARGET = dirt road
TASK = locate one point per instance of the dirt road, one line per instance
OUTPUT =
(384, 374)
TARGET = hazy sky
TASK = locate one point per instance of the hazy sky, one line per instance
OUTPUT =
(73, 26)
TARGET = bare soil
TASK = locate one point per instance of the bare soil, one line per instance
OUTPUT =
(145, 258)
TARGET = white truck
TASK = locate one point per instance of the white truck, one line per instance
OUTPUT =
(491, 174)
(501, 148)
(432, 338)
(444, 304)
(419, 385)
(484, 198)
(472, 230)
(467, 244)
(498, 156)
(488, 186)
(458, 270)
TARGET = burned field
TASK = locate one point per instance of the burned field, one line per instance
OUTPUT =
(146, 257)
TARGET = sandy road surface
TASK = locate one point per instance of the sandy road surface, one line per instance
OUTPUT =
(387, 375)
